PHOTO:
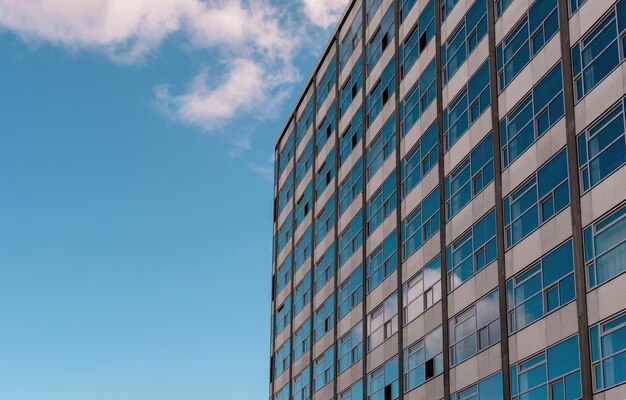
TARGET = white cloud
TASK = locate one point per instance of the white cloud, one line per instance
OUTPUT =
(324, 13)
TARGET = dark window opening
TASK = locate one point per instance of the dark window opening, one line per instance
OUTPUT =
(385, 42)
(388, 392)
(354, 140)
(385, 95)
(430, 368)
(422, 42)
(328, 177)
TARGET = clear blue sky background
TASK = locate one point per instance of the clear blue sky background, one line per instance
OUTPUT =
(135, 247)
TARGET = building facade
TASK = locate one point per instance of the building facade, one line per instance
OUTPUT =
(450, 206)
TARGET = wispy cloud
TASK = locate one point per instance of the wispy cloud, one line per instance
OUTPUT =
(255, 41)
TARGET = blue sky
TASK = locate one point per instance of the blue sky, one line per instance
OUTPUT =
(135, 215)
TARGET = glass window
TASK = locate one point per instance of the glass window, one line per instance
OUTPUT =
(542, 107)
(534, 30)
(351, 87)
(418, 98)
(350, 348)
(602, 147)
(285, 193)
(419, 160)
(423, 360)
(352, 39)
(325, 220)
(351, 186)
(327, 81)
(465, 38)
(382, 383)
(301, 340)
(422, 291)
(554, 373)
(382, 203)
(446, 8)
(325, 173)
(282, 358)
(302, 294)
(351, 238)
(608, 358)
(382, 38)
(597, 54)
(472, 251)
(326, 127)
(467, 106)
(421, 224)
(488, 389)
(544, 287)
(283, 274)
(303, 248)
(371, 7)
(574, 5)
(475, 329)
(354, 392)
(470, 177)
(306, 119)
(381, 147)
(286, 153)
(351, 136)
(302, 385)
(324, 268)
(381, 92)
(284, 233)
(605, 247)
(382, 323)
(324, 318)
(283, 393)
(419, 37)
(382, 261)
(350, 292)
(537, 200)
(304, 162)
(501, 6)
(303, 205)
(323, 369)
(283, 316)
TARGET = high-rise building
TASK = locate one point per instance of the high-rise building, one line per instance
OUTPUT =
(450, 206)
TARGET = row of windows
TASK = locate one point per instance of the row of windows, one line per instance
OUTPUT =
(382, 38)
(419, 37)
(417, 100)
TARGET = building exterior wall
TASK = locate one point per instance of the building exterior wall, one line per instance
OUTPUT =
(450, 206)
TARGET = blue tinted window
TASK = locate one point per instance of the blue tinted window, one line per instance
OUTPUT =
(470, 177)
(422, 291)
(382, 92)
(423, 360)
(303, 248)
(306, 119)
(381, 147)
(351, 87)
(350, 348)
(285, 232)
(608, 355)
(351, 238)
(285, 193)
(535, 29)
(351, 186)
(419, 37)
(446, 8)
(354, 392)
(351, 40)
(542, 288)
(468, 105)
(602, 147)
(301, 385)
(464, 40)
(605, 247)
(382, 261)
(283, 316)
(574, 5)
(304, 162)
(324, 268)
(286, 153)
(501, 6)
(488, 389)
(371, 6)
(326, 127)
(553, 373)
(302, 294)
(351, 136)
(324, 318)
(350, 292)
(473, 251)
(301, 340)
(541, 108)
(420, 160)
(378, 380)
(283, 274)
(537, 200)
(381, 39)
(303, 205)
(421, 224)
(475, 329)
(325, 173)
(418, 98)
(323, 369)
(282, 358)
(382, 203)
(283, 393)
(598, 52)
(325, 220)
(327, 81)
(382, 322)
